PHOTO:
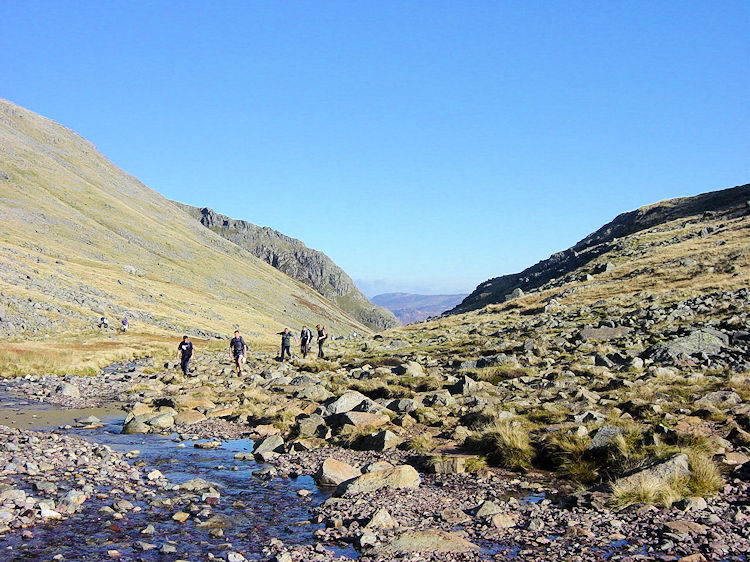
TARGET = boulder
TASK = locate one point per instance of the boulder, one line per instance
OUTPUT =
(67, 389)
(381, 441)
(719, 399)
(427, 540)
(189, 417)
(399, 477)
(381, 520)
(698, 341)
(362, 419)
(488, 508)
(464, 385)
(346, 402)
(664, 470)
(135, 426)
(410, 369)
(604, 437)
(161, 421)
(333, 472)
(604, 333)
(312, 426)
(403, 405)
(272, 443)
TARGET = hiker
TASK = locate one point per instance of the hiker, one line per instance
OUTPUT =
(286, 345)
(103, 323)
(125, 324)
(185, 352)
(237, 350)
(305, 337)
(322, 337)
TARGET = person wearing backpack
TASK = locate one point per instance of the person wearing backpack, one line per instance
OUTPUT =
(305, 338)
(322, 337)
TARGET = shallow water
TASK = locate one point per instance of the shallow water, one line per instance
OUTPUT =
(256, 510)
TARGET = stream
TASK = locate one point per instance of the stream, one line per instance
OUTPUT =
(250, 511)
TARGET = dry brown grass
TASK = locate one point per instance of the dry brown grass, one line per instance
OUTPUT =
(78, 355)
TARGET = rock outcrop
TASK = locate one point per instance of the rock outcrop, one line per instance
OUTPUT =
(291, 256)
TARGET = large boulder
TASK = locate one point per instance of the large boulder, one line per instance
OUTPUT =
(698, 341)
(270, 444)
(333, 472)
(135, 426)
(362, 419)
(346, 402)
(67, 389)
(662, 470)
(381, 441)
(312, 426)
(189, 417)
(427, 540)
(402, 476)
(410, 369)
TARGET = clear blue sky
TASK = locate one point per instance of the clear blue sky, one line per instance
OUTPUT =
(424, 146)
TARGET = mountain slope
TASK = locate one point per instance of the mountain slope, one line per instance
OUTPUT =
(410, 308)
(291, 256)
(80, 238)
(557, 269)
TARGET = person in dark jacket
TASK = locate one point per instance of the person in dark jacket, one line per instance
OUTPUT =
(237, 350)
(322, 337)
(305, 338)
(286, 342)
(185, 352)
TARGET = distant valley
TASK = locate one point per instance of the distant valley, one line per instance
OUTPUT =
(410, 308)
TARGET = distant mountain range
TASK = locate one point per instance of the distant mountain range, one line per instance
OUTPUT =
(410, 308)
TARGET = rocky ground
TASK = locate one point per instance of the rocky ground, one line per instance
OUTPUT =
(396, 439)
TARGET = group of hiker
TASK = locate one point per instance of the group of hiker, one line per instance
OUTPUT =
(305, 339)
(104, 324)
(238, 347)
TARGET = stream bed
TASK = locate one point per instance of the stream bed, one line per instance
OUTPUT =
(250, 511)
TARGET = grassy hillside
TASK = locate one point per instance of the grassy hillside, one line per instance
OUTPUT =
(562, 267)
(80, 238)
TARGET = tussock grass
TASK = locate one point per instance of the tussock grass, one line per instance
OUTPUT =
(705, 478)
(505, 443)
(647, 489)
(568, 455)
(421, 444)
(475, 464)
(499, 373)
(316, 365)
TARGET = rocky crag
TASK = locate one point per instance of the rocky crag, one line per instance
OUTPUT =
(80, 239)
(559, 268)
(294, 258)
(410, 308)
